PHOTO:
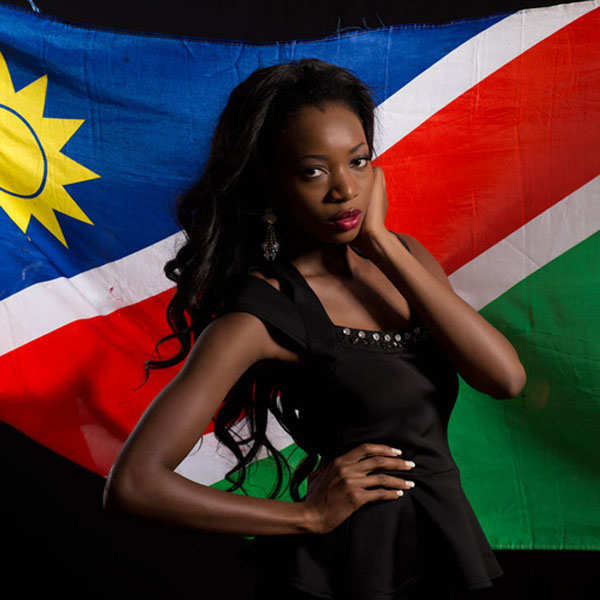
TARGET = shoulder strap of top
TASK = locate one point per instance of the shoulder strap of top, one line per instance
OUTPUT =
(398, 236)
(294, 310)
(320, 332)
(403, 242)
(258, 297)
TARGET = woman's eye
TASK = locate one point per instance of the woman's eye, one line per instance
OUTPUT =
(307, 172)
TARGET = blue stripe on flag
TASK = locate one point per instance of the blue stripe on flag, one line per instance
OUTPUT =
(149, 106)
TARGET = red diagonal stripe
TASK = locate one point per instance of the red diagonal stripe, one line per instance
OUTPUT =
(504, 151)
(473, 173)
(73, 389)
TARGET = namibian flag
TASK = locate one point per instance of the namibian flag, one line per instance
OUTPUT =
(489, 136)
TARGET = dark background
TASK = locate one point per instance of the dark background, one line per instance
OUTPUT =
(264, 21)
(59, 539)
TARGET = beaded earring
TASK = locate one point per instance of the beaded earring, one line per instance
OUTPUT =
(270, 246)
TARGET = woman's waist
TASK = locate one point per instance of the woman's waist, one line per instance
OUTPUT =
(426, 465)
(418, 471)
(430, 456)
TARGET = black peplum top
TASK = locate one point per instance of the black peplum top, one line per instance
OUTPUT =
(393, 387)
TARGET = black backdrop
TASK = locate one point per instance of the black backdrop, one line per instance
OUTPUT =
(59, 540)
(264, 20)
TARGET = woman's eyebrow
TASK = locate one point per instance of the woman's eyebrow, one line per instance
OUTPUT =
(325, 157)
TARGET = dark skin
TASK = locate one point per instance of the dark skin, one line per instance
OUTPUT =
(381, 290)
(376, 291)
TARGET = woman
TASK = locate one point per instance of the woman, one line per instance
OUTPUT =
(349, 333)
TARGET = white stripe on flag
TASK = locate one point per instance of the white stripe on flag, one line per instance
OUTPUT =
(478, 282)
(46, 306)
(208, 462)
(530, 247)
(466, 66)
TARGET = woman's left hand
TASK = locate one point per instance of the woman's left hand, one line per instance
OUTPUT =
(373, 223)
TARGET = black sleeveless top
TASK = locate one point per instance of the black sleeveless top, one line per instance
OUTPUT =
(393, 387)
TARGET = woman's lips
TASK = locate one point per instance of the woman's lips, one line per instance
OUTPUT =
(347, 223)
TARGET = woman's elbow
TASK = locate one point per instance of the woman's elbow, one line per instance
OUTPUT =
(514, 384)
(110, 493)
(119, 491)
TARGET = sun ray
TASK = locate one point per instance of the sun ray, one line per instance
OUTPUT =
(33, 170)
(6, 85)
(46, 215)
(58, 131)
(57, 197)
(21, 218)
(65, 170)
(31, 99)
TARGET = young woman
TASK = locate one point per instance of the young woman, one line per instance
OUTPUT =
(350, 334)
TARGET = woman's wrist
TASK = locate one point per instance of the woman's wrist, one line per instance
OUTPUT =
(310, 519)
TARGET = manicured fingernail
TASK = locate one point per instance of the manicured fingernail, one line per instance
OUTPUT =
(397, 451)
(399, 492)
(410, 463)
(410, 483)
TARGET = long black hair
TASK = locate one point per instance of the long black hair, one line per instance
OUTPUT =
(222, 239)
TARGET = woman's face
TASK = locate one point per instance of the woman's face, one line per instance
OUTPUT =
(322, 167)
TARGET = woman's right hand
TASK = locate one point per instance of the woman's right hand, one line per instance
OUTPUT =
(337, 489)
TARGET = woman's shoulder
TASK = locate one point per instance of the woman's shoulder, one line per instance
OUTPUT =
(404, 239)
(256, 333)
(260, 295)
(424, 256)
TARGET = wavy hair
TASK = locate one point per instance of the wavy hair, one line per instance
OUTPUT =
(222, 242)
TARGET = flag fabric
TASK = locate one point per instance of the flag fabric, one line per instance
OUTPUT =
(488, 132)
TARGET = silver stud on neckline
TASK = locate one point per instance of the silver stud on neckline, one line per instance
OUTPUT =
(384, 340)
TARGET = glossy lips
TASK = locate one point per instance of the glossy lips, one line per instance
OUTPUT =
(350, 221)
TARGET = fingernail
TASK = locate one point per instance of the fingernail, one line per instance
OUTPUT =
(397, 451)
(399, 492)
(410, 463)
(411, 483)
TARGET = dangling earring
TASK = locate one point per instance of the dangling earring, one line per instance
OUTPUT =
(270, 246)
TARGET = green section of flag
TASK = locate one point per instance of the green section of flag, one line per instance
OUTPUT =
(261, 477)
(531, 465)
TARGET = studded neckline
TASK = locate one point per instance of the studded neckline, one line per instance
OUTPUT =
(390, 340)
(380, 331)
(385, 339)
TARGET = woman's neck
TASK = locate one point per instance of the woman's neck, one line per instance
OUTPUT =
(314, 260)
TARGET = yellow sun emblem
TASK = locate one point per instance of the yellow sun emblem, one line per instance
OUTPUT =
(32, 169)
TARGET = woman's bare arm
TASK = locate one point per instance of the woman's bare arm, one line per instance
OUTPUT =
(483, 356)
(143, 481)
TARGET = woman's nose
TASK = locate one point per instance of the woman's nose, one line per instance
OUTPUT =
(344, 187)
